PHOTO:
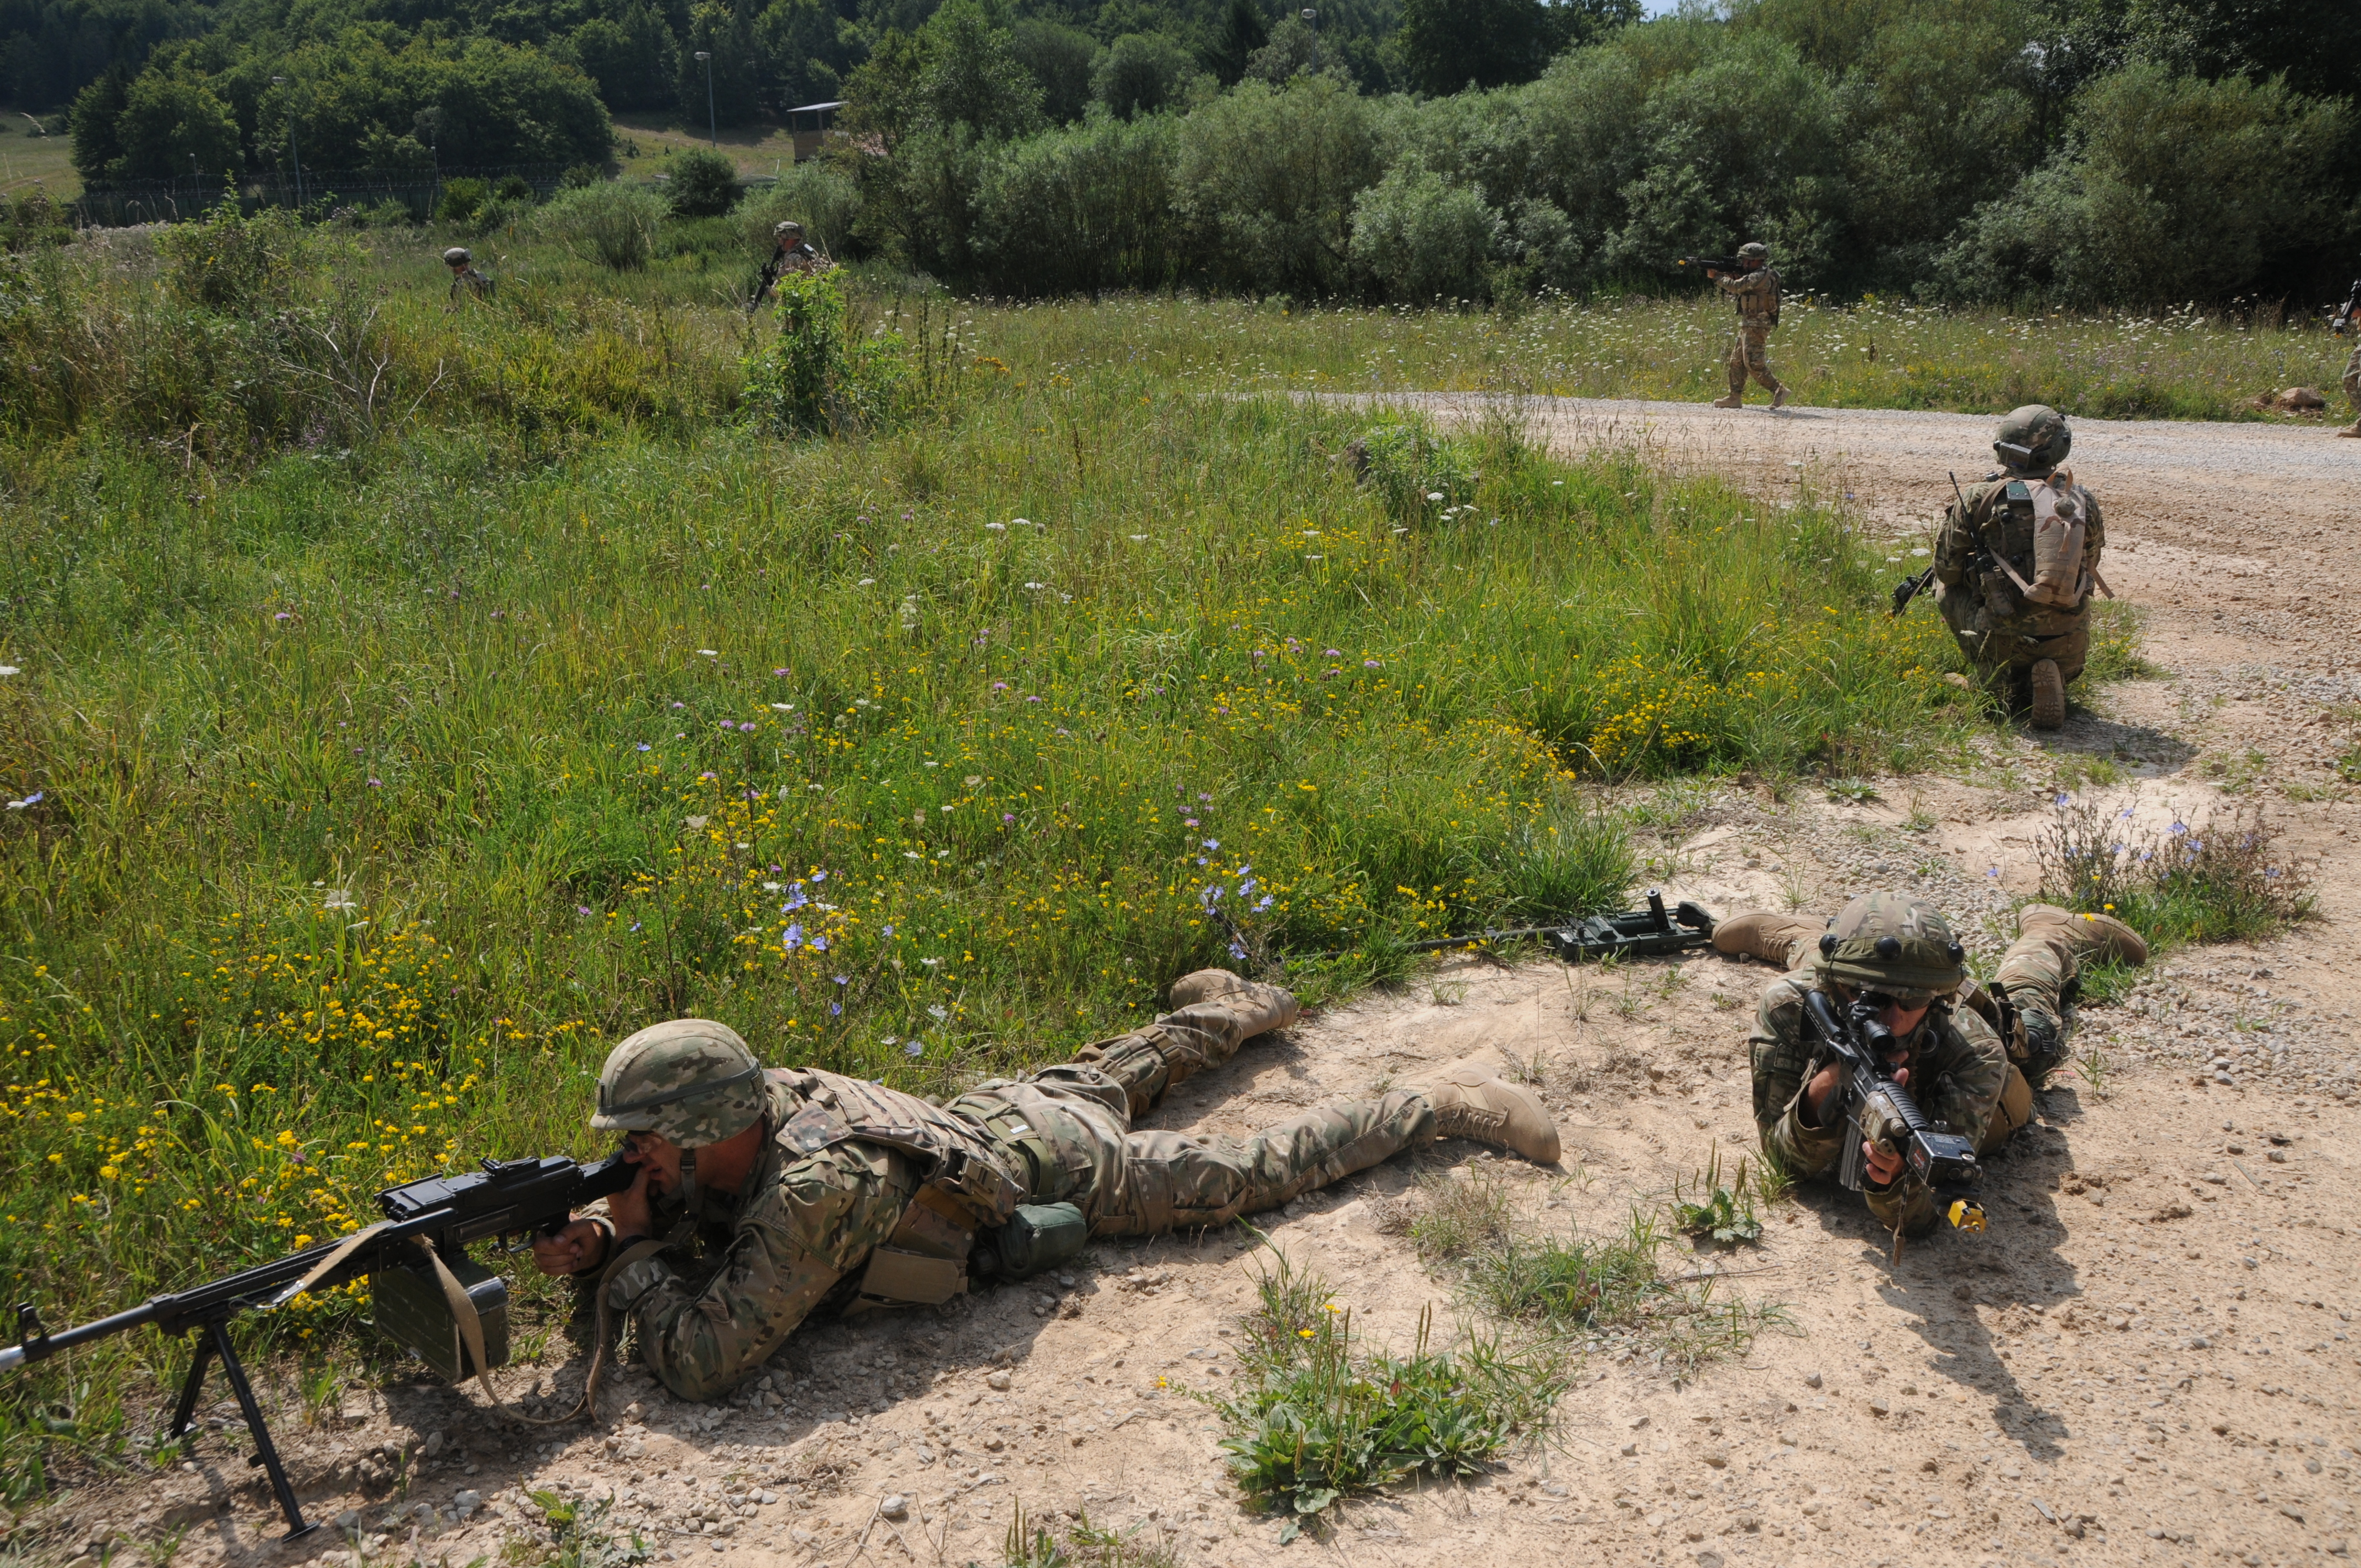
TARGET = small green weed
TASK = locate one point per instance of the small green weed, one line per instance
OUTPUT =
(1703, 1207)
(1572, 1283)
(2348, 764)
(2103, 985)
(1460, 1215)
(1320, 1419)
(1852, 792)
(575, 1536)
(2116, 633)
(1030, 1543)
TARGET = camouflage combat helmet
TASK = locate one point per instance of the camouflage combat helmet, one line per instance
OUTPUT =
(456, 256)
(782, 230)
(691, 1080)
(2034, 437)
(1754, 250)
(1894, 944)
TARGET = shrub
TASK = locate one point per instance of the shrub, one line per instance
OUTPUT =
(461, 198)
(704, 184)
(577, 175)
(1421, 238)
(1138, 74)
(1267, 178)
(515, 188)
(228, 262)
(1085, 208)
(816, 195)
(610, 224)
(1409, 466)
(821, 376)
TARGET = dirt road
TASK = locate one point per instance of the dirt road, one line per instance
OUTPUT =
(2147, 1358)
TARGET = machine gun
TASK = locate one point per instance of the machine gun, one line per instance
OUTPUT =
(1643, 933)
(1715, 264)
(1882, 1112)
(2348, 315)
(426, 1221)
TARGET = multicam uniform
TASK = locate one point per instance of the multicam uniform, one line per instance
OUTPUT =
(2003, 634)
(1958, 1069)
(849, 1201)
(1757, 295)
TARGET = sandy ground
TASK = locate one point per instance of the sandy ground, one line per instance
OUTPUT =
(2146, 1359)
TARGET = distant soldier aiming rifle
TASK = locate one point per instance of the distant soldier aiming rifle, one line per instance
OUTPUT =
(790, 252)
(1748, 279)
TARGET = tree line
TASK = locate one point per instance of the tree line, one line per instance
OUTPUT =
(2078, 151)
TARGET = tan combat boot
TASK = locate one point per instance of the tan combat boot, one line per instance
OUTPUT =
(1471, 1101)
(2353, 429)
(1779, 397)
(1734, 400)
(1771, 937)
(2048, 696)
(2100, 937)
(1262, 1006)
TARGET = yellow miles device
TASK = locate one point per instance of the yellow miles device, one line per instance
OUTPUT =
(1966, 1215)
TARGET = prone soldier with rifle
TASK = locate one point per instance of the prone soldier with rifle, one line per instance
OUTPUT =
(1877, 1055)
(2347, 319)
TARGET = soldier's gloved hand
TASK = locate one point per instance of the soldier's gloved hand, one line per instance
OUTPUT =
(1885, 1163)
(581, 1245)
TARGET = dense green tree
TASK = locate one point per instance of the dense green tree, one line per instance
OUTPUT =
(1243, 31)
(97, 108)
(631, 56)
(1081, 208)
(803, 48)
(1138, 74)
(726, 89)
(1059, 58)
(1267, 178)
(174, 126)
(1450, 44)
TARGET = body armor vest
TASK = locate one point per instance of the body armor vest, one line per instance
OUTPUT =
(965, 1184)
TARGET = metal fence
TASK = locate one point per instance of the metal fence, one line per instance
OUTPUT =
(113, 203)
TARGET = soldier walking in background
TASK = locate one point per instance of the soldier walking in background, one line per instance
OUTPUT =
(1757, 295)
(2348, 320)
(806, 1189)
(789, 253)
(2015, 563)
(465, 276)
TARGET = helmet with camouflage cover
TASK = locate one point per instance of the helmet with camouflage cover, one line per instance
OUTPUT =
(690, 1080)
(456, 256)
(1894, 944)
(2034, 437)
(786, 228)
(1754, 250)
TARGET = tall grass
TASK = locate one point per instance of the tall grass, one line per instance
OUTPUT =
(366, 788)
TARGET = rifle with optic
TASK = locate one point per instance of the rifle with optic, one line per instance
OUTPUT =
(419, 1274)
(1715, 264)
(1882, 1112)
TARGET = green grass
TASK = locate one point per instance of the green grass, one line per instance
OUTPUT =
(1320, 1419)
(2226, 878)
(399, 749)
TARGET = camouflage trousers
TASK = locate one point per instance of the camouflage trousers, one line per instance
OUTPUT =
(1749, 354)
(1070, 1128)
(2003, 648)
(2353, 379)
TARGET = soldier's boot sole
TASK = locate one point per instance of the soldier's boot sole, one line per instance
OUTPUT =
(1758, 935)
(1732, 401)
(2100, 937)
(1264, 1006)
(1472, 1101)
(2048, 696)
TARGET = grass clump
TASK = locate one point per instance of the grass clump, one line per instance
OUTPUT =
(1320, 1419)
(2222, 879)
(1030, 1542)
(1705, 1210)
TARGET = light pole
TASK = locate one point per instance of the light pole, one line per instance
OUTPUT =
(712, 131)
(1312, 20)
(292, 150)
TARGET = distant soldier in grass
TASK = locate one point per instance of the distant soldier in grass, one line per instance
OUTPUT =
(806, 1190)
(2348, 320)
(1970, 1057)
(1756, 292)
(2015, 563)
(790, 252)
(466, 280)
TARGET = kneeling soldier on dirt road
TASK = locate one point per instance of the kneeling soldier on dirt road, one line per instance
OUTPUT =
(810, 1190)
(1898, 952)
(2015, 563)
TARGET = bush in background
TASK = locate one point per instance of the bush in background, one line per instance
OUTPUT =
(815, 193)
(610, 224)
(704, 184)
(821, 376)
